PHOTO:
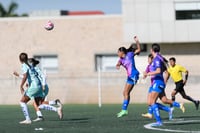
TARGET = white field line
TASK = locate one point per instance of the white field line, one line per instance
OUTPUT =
(148, 126)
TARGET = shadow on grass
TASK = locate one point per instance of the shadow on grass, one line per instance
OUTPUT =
(75, 120)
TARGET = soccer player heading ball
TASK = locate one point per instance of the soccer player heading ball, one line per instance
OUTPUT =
(126, 59)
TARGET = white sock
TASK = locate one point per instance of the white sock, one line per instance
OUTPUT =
(48, 107)
(25, 110)
(39, 114)
(52, 102)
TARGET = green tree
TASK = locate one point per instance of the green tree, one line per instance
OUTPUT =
(10, 11)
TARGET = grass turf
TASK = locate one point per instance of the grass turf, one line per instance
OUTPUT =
(91, 119)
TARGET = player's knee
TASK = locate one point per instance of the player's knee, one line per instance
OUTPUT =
(125, 93)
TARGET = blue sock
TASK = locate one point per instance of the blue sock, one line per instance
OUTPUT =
(150, 110)
(125, 104)
(176, 104)
(156, 112)
(162, 107)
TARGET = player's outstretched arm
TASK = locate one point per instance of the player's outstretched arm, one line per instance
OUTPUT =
(138, 50)
(118, 65)
(157, 71)
(17, 74)
(144, 75)
(166, 77)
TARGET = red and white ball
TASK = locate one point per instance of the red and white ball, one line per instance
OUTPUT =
(49, 25)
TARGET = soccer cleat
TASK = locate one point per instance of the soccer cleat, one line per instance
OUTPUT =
(38, 119)
(171, 113)
(157, 124)
(197, 105)
(122, 113)
(25, 122)
(60, 112)
(147, 115)
(182, 107)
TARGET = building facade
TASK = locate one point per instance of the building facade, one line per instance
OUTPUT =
(79, 54)
(69, 54)
(174, 24)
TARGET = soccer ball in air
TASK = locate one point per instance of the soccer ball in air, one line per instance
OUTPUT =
(49, 25)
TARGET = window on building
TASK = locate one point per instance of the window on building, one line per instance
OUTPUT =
(48, 63)
(187, 10)
(143, 47)
(106, 62)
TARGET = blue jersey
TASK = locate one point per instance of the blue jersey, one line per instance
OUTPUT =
(128, 62)
(158, 80)
(157, 63)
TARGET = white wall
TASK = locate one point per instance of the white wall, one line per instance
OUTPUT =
(154, 21)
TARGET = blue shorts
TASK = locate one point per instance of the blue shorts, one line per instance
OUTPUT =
(132, 80)
(150, 89)
(158, 86)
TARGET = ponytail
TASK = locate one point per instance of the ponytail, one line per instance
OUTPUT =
(131, 48)
(164, 61)
(33, 61)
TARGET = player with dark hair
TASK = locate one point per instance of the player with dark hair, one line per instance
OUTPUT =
(127, 61)
(175, 71)
(39, 102)
(34, 90)
(160, 106)
(162, 96)
(157, 68)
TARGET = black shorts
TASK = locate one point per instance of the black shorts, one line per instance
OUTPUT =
(179, 86)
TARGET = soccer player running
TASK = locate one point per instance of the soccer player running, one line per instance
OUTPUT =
(34, 90)
(175, 71)
(41, 103)
(160, 106)
(127, 61)
(162, 97)
(157, 68)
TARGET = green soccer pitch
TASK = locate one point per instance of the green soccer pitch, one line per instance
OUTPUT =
(89, 118)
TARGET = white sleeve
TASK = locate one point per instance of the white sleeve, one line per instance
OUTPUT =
(24, 68)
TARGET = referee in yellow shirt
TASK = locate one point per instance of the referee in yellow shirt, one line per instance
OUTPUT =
(175, 71)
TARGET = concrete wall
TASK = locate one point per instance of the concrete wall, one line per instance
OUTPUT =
(76, 40)
(154, 21)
